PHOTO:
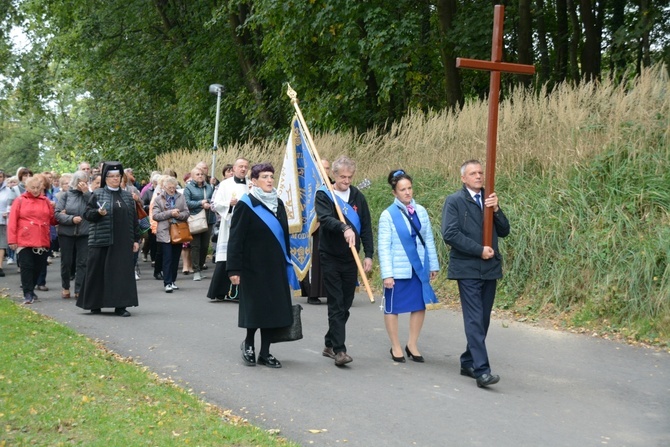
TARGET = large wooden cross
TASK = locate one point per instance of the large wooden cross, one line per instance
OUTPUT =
(495, 66)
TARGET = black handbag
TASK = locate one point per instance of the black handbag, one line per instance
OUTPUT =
(292, 332)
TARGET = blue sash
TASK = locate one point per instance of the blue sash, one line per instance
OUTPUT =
(349, 213)
(275, 227)
(422, 270)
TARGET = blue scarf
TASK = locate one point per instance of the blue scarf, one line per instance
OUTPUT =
(409, 244)
(275, 227)
(348, 212)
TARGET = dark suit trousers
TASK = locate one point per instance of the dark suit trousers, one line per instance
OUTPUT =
(339, 279)
(477, 298)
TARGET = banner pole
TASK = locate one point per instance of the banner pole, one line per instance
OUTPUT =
(312, 147)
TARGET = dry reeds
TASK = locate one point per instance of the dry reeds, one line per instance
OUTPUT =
(549, 131)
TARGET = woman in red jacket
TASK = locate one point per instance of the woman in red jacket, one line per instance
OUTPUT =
(28, 233)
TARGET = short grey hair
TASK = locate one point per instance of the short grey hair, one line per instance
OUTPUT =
(78, 176)
(468, 163)
(169, 180)
(343, 163)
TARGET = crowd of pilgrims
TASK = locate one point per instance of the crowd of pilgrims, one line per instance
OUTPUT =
(71, 226)
(104, 225)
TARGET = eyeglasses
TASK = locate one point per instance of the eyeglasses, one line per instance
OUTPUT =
(398, 172)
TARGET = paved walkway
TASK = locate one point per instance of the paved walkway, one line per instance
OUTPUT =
(557, 389)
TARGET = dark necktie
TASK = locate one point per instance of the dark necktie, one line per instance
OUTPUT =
(479, 202)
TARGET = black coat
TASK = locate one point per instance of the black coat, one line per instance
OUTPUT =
(256, 256)
(462, 224)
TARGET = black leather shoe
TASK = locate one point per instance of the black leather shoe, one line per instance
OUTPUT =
(400, 359)
(158, 276)
(121, 312)
(270, 361)
(313, 301)
(248, 354)
(468, 371)
(96, 311)
(416, 358)
(487, 379)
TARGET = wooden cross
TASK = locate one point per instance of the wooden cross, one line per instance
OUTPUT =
(495, 66)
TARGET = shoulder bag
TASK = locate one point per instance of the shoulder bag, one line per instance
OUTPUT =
(197, 223)
(179, 232)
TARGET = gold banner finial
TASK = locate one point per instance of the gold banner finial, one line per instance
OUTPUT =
(292, 94)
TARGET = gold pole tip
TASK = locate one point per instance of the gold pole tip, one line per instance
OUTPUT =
(290, 92)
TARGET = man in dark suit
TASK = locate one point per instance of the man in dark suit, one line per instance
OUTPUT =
(476, 267)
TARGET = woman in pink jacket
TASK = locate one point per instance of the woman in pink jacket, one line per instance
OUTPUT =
(28, 233)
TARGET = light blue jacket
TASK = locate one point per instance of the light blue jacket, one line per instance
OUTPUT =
(393, 261)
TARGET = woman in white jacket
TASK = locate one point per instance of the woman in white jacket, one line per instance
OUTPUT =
(408, 262)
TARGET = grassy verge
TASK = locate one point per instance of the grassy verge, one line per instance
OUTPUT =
(58, 388)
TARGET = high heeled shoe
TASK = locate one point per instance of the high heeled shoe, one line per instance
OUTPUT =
(400, 359)
(416, 358)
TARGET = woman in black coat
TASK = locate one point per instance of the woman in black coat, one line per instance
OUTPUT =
(259, 265)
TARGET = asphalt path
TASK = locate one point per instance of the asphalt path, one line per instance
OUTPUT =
(556, 388)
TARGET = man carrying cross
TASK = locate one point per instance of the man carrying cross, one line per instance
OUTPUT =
(473, 221)
(474, 265)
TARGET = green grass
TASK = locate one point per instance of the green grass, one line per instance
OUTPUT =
(590, 247)
(58, 388)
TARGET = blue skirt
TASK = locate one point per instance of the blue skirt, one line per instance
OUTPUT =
(405, 296)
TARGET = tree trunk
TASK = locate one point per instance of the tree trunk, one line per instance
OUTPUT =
(545, 63)
(646, 19)
(525, 39)
(562, 42)
(574, 42)
(590, 57)
(617, 54)
(446, 13)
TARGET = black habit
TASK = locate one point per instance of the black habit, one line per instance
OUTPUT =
(110, 275)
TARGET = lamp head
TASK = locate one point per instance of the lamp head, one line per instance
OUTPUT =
(215, 89)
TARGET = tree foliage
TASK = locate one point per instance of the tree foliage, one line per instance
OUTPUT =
(128, 79)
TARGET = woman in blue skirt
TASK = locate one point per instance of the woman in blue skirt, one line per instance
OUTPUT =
(408, 262)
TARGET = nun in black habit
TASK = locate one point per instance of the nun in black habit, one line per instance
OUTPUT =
(113, 238)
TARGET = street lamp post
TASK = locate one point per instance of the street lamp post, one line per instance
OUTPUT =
(216, 89)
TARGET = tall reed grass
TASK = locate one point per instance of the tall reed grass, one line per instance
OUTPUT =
(582, 172)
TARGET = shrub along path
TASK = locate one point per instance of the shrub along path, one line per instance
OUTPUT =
(557, 389)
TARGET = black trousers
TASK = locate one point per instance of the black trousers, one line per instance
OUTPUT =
(32, 262)
(69, 245)
(477, 298)
(171, 254)
(339, 279)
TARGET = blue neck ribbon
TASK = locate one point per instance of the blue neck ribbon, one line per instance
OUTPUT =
(349, 213)
(422, 269)
(275, 227)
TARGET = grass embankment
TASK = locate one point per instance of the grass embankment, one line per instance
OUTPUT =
(57, 388)
(583, 174)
